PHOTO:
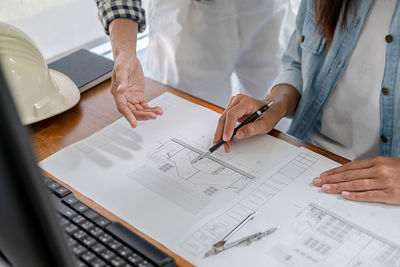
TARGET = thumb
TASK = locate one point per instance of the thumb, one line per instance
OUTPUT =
(254, 128)
(122, 75)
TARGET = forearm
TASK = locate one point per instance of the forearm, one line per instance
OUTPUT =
(123, 35)
(287, 97)
(110, 10)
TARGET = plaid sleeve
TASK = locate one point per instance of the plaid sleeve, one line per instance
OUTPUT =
(114, 9)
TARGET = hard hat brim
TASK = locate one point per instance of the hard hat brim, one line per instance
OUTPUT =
(67, 88)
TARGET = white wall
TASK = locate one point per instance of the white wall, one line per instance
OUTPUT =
(56, 26)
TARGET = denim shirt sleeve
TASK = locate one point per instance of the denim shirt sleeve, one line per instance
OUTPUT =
(291, 59)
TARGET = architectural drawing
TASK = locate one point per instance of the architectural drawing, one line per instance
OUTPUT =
(326, 239)
(152, 179)
(211, 232)
(174, 172)
(179, 159)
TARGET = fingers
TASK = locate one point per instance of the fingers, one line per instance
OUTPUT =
(128, 114)
(140, 113)
(135, 111)
(371, 180)
(258, 127)
(144, 115)
(221, 122)
(228, 145)
(157, 110)
(220, 129)
(356, 185)
(239, 108)
(344, 176)
(233, 115)
(354, 165)
(368, 196)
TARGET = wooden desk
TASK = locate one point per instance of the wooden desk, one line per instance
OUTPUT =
(96, 110)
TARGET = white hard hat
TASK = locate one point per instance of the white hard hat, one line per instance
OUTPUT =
(38, 91)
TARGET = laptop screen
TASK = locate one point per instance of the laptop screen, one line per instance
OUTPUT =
(29, 230)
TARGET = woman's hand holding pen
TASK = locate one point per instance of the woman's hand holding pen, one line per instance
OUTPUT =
(240, 107)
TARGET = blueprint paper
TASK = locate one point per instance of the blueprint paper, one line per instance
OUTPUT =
(151, 178)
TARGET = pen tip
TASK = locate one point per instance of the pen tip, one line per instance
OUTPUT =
(202, 156)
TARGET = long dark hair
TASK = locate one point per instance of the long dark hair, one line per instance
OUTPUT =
(328, 13)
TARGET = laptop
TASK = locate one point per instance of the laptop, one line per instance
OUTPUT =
(43, 224)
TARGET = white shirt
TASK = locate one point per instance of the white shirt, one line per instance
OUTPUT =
(350, 122)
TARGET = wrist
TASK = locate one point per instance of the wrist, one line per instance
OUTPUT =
(285, 97)
(123, 35)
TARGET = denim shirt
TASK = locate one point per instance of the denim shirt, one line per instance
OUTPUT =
(315, 71)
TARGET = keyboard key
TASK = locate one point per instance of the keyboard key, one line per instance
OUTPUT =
(53, 186)
(80, 207)
(64, 209)
(88, 256)
(88, 241)
(78, 250)
(117, 261)
(105, 238)
(124, 252)
(98, 248)
(108, 255)
(80, 263)
(102, 222)
(96, 232)
(79, 235)
(71, 242)
(69, 213)
(63, 221)
(97, 263)
(79, 219)
(145, 264)
(135, 259)
(115, 245)
(87, 225)
(62, 191)
(70, 200)
(70, 228)
(46, 180)
(90, 214)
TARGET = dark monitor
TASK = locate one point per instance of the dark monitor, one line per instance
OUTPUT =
(29, 231)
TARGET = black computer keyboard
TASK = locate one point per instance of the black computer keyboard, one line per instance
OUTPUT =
(96, 241)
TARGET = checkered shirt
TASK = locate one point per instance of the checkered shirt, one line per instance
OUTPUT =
(114, 9)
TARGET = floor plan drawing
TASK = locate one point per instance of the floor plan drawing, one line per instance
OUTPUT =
(209, 233)
(174, 172)
(179, 159)
(326, 239)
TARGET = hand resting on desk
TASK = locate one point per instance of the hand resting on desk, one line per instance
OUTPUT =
(371, 180)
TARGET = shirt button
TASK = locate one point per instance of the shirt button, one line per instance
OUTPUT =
(302, 38)
(385, 91)
(389, 38)
(384, 139)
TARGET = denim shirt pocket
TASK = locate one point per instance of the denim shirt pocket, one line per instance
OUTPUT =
(312, 39)
(312, 45)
